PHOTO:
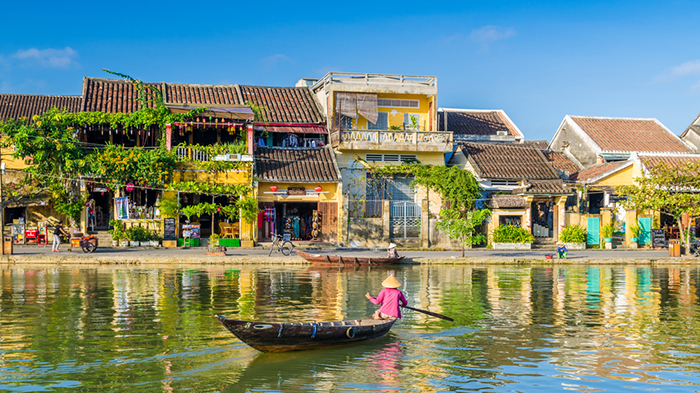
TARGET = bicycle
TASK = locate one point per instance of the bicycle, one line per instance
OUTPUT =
(284, 246)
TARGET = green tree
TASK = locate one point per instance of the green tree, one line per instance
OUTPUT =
(672, 189)
(460, 225)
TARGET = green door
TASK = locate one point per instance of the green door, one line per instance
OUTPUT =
(644, 231)
(593, 231)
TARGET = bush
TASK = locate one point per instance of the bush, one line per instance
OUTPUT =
(117, 230)
(137, 234)
(512, 234)
(573, 234)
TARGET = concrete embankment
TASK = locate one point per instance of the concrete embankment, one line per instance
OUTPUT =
(258, 256)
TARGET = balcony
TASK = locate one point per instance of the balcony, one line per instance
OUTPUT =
(405, 84)
(186, 153)
(390, 140)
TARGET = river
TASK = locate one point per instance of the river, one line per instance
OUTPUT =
(516, 329)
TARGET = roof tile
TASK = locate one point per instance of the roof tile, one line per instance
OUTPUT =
(296, 164)
(595, 171)
(285, 104)
(508, 161)
(15, 106)
(475, 122)
(627, 135)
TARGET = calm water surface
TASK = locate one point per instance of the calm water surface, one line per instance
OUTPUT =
(516, 329)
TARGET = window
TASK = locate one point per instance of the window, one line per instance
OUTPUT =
(407, 121)
(506, 183)
(390, 103)
(373, 157)
(382, 122)
(345, 122)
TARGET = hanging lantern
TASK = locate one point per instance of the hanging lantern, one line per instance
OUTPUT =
(273, 188)
(319, 189)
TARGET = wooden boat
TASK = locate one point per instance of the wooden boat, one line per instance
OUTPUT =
(337, 260)
(283, 337)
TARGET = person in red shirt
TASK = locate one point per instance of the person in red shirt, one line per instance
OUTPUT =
(390, 298)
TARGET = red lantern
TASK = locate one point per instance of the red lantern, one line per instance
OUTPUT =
(273, 188)
(319, 189)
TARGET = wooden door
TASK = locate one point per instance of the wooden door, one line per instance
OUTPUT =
(329, 221)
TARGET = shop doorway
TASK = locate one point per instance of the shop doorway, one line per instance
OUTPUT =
(543, 219)
(300, 221)
(100, 210)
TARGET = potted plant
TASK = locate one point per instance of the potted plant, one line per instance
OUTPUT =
(607, 232)
(573, 237)
(153, 239)
(635, 230)
(509, 237)
(117, 231)
(214, 248)
(136, 235)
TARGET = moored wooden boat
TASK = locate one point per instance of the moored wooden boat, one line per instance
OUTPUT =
(287, 336)
(337, 260)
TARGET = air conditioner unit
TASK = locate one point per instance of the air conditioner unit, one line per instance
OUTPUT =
(221, 157)
(502, 133)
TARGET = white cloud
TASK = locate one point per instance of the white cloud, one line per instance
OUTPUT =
(271, 61)
(48, 58)
(490, 34)
(689, 68)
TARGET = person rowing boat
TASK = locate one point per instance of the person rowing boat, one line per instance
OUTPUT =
(391, 299)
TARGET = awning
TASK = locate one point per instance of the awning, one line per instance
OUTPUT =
(297, 129)
(39, 200)
(238, 112)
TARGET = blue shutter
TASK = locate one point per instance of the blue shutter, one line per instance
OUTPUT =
(593, 231)
(645, 231)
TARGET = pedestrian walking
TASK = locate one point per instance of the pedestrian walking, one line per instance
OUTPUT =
(57, 236)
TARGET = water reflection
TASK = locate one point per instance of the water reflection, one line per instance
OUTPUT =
(521, 328)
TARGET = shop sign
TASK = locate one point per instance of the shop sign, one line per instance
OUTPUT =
(169, 229)
(296, 191)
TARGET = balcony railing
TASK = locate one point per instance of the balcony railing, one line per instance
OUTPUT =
(377, 79)
(413, 140)
(192, 154)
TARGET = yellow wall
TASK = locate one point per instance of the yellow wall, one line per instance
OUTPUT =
(188, 172)
(624, 177)
(396, 115)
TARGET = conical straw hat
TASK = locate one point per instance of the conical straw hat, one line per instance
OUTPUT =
(391, 282)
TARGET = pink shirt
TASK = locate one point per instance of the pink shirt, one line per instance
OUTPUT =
(389, 298)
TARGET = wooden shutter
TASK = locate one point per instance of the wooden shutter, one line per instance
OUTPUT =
(329, 221)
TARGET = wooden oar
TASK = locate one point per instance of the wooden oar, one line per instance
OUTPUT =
(432, 314)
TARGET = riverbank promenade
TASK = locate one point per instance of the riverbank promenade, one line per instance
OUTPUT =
(259, 255)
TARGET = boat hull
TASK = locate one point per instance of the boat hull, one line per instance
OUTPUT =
(283, 336)
(337, 260)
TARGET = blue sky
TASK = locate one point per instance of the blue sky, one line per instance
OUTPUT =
(539, 61)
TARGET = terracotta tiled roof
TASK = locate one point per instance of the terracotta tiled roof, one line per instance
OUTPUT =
(476, 122)
(285, 104)
(296, 164)
(501, 201)
(673, 161)
(595, 171)
(508, 161)
(15, 106)
(547, 187)
(541, 144)
(561, 162)
(202, 94)
(628, 135)
(111, 95)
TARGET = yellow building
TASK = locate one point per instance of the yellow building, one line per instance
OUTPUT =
(380, 119)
